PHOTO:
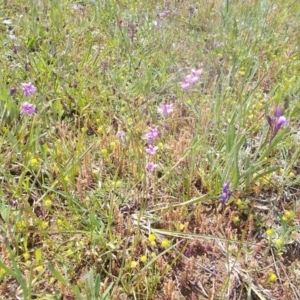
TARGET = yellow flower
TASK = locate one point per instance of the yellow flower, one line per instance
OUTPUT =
(100, 129)
(33, 161)
(69, 252)
(165, 243)
(239, 202)
(20, 225)
(117, 183)
(278, 242)
(269, 232)
(104, 152)
(113, 144)
(39, 268)
(236, 219)
(47, 202)
(27, 263)
(288, 214)
(133, 264)
(152, 238)
(52, 280)
(272, 277)
(45, 224)
(181, 226)
(26, 255)
(59, 222)
(143, 258)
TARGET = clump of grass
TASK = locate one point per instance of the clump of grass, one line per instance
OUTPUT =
(150, 151)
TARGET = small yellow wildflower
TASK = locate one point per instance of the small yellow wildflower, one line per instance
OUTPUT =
(272, 277)
(291, 174)
(117, 183)
(152, 238)
(69, 252)
(153, 254)
(236, 219)
(104, 152)
(83, 129)
(39, 268)
(28, 263)
(2, 272)
(52, 280)
(47, 202)
(26, 255)
(45, 224)
(181, 226)
(113, 144)
(20, 225)
(100, 129)
(278, 243)
(269, 232)
(33, 161)
(143, 258)
(133, 264)
(59, 222)
(239, 202)
(160, 144)
(165, 243)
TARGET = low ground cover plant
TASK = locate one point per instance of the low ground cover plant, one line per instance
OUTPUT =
(149, 149)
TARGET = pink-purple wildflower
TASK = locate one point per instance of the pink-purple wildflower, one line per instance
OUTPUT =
(28, 89)
(120, 134)
(152, 134)
(151, 149)
(164, 14)
(277, 122)
(27, 109)
(191, 78)
(151, 167)
(219, 44)
(226, 192)
(165, 109)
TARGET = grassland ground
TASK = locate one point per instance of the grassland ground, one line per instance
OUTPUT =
(149, 150)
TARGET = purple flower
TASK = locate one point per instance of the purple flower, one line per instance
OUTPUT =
(120, 134)
(197, 72)
(188, 253)
(151, 149)
(28, 89)
(12, 91)
(164, 13)
(185, 85)
(219, 44)
(152, 135)
(165, 109)
(151, 167)
(226, 192)
(276, 122)
(191, 79)
(27, 109)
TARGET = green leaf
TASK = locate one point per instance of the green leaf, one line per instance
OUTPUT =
(57, 275)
